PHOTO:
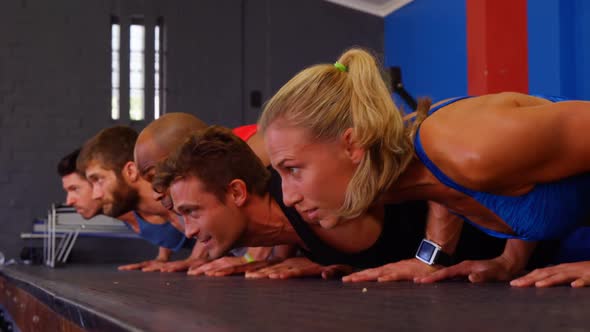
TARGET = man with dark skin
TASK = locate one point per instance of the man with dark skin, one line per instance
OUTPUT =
(106, 160)
(157, 141)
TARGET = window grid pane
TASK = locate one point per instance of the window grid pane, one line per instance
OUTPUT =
(136, 72)
(115, 69)
(157, 71)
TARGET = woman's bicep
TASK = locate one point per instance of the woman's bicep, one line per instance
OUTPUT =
(562, 138)
(574, 136)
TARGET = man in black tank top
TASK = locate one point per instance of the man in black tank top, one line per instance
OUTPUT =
(229, 199)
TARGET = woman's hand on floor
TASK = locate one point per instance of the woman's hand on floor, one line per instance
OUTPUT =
(403, 270)
(497, 269)
(576, 274)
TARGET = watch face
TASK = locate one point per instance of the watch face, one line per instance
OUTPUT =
(426, 251)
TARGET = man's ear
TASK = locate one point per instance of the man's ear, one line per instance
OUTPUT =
(352, 148)
(237, 192)
(130, 172)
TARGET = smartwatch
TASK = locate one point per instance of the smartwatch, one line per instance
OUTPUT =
(432, 254)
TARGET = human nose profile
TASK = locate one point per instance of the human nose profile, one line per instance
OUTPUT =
(70, 200)
(290, 196)
(191, 229)
(97, 192)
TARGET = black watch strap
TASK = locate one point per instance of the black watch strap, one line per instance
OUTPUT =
(442, 258)
(431, 253)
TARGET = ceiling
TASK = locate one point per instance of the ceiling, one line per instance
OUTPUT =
(380, 8)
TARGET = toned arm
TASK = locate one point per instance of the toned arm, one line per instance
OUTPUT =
(505, 148)
(548, 143)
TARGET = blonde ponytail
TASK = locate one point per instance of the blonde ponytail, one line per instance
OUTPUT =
(326, 101)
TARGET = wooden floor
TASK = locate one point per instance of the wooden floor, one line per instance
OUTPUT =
(97, 297)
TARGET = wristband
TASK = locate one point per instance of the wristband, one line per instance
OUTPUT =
(248, 258)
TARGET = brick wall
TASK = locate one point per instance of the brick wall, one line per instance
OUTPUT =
(55, 75)
(51, 100)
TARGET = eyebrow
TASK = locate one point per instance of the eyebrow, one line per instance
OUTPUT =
(282, 162)
(143, 171)
(184, 207)
(91, 176)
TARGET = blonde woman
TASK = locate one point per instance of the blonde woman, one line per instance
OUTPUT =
(514, 165)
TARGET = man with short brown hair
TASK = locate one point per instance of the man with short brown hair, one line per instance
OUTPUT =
(78, 189)
(107, 161)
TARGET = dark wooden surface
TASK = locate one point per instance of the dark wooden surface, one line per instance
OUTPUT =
(99, 297)
(29, 313)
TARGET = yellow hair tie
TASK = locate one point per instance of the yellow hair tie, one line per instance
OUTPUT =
(249, 258)
(340, 67)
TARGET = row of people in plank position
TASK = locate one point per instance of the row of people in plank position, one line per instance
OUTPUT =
(334, 181)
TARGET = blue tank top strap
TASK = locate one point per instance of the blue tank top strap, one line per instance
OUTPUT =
(450, 101)
(129, 226)
(442, 177)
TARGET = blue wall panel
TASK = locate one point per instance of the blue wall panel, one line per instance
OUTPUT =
(559, 47)
(544, 47)
(427, 39)
(582, 49)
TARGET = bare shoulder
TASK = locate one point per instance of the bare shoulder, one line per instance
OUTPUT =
(440, 102)
(512, 100)
(494, 142)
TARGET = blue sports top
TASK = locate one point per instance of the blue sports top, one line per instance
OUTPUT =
(549, 211)
(162, 235)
